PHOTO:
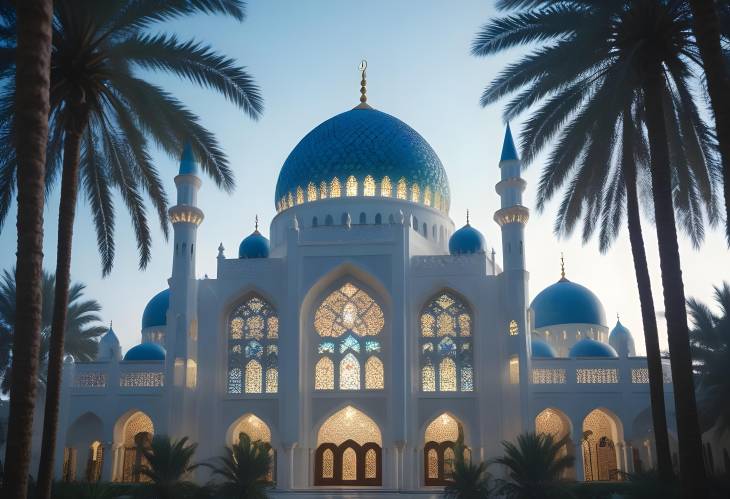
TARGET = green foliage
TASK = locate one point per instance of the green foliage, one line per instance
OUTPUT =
(469, 480)
(710, 339)
(535, 465)
(243, 469)
(582, 82)
(102, 56)
(168, 462)
(81, 490)
(82, 324)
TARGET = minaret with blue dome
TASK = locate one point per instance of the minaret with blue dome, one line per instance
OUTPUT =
(512, 218)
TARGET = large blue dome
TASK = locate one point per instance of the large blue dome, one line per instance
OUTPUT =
(588, 347)
(254, 246)
(145, 352)
(155, 313)
(362, 143)
(567, 302)
(542, 350)
(466, 240)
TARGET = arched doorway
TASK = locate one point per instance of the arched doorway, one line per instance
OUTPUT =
(349, 450)
(133, 433)
(257, 430)
(556, 424)
(83, 453)
(440, 440)
(600, 435)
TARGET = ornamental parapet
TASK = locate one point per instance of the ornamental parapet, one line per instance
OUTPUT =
(512, 214)
(184, 213)
(511, 182)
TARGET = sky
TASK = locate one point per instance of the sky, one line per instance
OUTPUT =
(304, 56)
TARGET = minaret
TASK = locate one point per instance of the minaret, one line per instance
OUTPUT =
(181, 340)
(512, 217)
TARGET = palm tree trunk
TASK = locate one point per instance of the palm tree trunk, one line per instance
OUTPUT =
(33, 65)
(692, 471)
(66, 215)
(648, 318)
(707, 33)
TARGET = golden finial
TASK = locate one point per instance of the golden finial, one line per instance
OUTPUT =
(256, 223)
(363, 86)
(562, 266)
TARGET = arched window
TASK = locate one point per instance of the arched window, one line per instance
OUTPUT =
(349, 450)
(257, 430)
(599, 453)
(378, 219)
(137, 434)
(349, 323)
(253, 334)
(415, 193)
(369, 186)
(401, 189)
(314, 222)
(300, 195)
(363, 218)
(323, 190)
(335, 188)
(328, 220)
(440, 440)
(386, 189)
(311, 192)
(427, 196)
(446, 351)
(351, 186)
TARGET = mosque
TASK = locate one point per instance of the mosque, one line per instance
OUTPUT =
(362, 336)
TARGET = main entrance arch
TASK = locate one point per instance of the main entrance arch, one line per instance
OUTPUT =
(133, 432)
(601, 432)
(349, 450)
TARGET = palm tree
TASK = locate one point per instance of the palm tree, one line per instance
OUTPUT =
(710, 337)
(82, 327)
(717, 74)
(101, 112)
(535, 465)
(244, 469)
(32, 73)
(597, 60)
(167, 463)
(468, 480)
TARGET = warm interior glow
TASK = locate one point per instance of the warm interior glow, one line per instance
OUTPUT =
(349, 423)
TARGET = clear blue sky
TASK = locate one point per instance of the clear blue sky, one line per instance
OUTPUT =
(304, 55)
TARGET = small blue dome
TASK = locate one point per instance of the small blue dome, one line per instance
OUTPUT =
(155, 313)
(363, 142)
(621, 340)
(541, 350)
(588, 347)
(145, 352)
(254, 246)
(466, 240)
(567, 302)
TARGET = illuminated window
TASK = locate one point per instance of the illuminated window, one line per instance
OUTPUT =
(348, 322)
(440, 440)
(323, 190)
(137, 435)
(415, 193)
(311, 192)
(252, 426)
(351, 186)
(514, 370)
(513, 328)
(289, 200)
(401, 189)
(369, 186)
(328, 464)
(445, 343)
(600, 461)
(253, 332)
(437, 200)
(371, 464)
(385, 188)
(300, 195)
(427, 196)
(335, 188)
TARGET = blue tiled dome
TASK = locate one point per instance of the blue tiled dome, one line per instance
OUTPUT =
(466, 240)
(621, 340)
(588, 347)
(145, 352)
(567, 302)
(254, 246)
(362, 142)
(155, 313)
(541, 350)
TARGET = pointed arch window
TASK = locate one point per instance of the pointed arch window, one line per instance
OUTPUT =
(369, 186)
(335, 188)
(401, 189)
(253, 351)
(386, 189)
(349, 323)
(446, 348)
(440, 441)
(311, 192)
(351, 186)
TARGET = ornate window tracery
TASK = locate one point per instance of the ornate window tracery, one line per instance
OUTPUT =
(335, 188)
(351, 186)
(386, 189)
(401, 189)
(415, 193)
(445, 342)
(349, 322)
(311, 192)
(440, 441)
(253, 351)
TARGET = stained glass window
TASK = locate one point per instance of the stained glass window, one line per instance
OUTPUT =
(401, 189)
(311, 192)
(446, 355)
(349, 464)
(415, 193)
(351, 186)
(386, 189)
(348, 319)
(300, 195)
(335, 188)
(369, 186)
(253, 332)
(323, 190)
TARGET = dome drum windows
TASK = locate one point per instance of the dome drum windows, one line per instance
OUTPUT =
(348, 323)
(446, 348)
(253, 352)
